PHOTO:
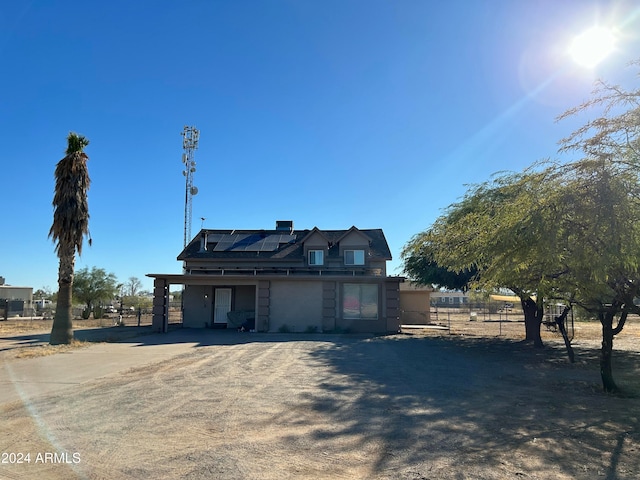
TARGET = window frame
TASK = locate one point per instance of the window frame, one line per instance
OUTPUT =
(347, 288)
(354, 250)
(315, 251)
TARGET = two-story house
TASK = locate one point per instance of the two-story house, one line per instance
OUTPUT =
(284, 280)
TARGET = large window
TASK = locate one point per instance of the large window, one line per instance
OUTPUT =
(360, 301)
(316, 257)
(354, 257)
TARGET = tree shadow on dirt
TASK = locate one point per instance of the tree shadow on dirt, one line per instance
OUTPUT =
(475, 408)
(146, 336)
(104, 334)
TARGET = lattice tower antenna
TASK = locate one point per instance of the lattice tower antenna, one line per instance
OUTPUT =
(190, 137)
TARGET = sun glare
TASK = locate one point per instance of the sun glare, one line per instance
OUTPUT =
(591, 47)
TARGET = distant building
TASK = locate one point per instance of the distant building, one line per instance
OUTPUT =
(451, 299)
(15, 301)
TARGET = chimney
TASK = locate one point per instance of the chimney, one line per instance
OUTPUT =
(284, 226)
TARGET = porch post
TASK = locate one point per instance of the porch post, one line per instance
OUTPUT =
(328, 306)
(392, 304)
(160, 319)
(262, 315)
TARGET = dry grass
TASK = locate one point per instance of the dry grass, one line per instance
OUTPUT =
(23, 325)
(20, 338)
(46, 350)
(511, 326)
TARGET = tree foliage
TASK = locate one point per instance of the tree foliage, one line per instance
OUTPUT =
(94, 286)
(568, 231)
(494, 231)
(421, 266)
(132, 286)
(605, 229)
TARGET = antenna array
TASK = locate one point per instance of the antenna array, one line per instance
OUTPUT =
(190, 136)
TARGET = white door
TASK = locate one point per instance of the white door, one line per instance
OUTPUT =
(222, 305)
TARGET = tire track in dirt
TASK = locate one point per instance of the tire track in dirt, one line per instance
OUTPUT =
(321, 407)
(227, 368)
(169, 390)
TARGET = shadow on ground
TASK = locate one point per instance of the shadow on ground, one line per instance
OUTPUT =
(145, 336)
(104, 334)
(400, 407)
(498, 408)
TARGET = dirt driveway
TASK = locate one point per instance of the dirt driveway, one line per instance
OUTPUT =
(275, 406)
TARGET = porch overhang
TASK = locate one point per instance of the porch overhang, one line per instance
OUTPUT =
(264, 283)
(206, 279)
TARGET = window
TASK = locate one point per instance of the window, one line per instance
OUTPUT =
(360, 301)
(354, 257)
(316, 257)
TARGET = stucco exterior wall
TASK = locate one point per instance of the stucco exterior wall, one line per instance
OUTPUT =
(198, 310)
(316, 240)
(302, 304)
(298, 305)
(8, 292)
(414, 306)
(244, 297)
(353, 240)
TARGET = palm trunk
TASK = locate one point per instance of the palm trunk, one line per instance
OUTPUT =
(606, 353)
(62, 329)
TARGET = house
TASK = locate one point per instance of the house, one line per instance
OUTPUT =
(448, 298)
(284, 280)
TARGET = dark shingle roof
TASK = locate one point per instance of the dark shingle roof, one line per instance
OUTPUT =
(273, 244)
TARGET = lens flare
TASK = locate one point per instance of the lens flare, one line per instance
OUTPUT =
(593, 46)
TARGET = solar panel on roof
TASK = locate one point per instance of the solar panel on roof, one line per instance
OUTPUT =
(287, 238)
(269, 245)
(249, 242)
(223, 246)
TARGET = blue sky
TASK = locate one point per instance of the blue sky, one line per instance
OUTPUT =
(329, 113)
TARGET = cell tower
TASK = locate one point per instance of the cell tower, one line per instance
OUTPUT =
(190, 137)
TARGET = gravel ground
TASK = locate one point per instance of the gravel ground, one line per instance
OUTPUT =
(470, 403)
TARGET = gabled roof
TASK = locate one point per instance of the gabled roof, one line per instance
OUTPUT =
(274, 244)
(311, 232)
(352, 230)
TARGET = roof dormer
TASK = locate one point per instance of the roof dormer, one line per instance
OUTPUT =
(354, 237)
(354, 247)
(315, 239)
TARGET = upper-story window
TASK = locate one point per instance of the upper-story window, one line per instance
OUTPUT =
(354, 257)
(316, 257)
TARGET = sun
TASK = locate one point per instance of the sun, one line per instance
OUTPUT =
(592, 46)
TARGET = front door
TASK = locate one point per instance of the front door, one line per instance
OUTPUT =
(222, 305)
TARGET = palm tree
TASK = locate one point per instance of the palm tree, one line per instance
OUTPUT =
(70, 225)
